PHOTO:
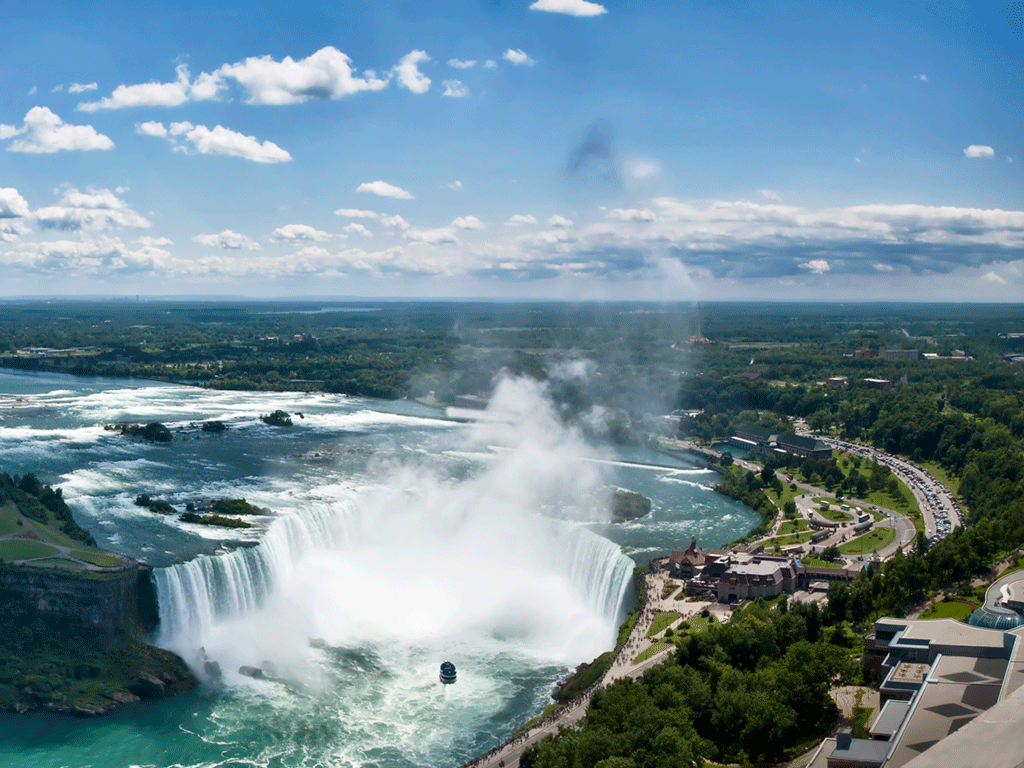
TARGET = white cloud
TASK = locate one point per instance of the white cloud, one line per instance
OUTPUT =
(440, 236)
(408, 74)
(455, 89)
(461, 64)
(151, 128)
(490, 64)
(12, 229)
(817, 266)
(559, 221)
(12, 204)
(770, 194)
(358, 229)
(922, 78)
(879, 267)
(992, 277)
(96, 209)
(979, 150)
(299, 233)
(570, 7)
(356, 213)
(326, 74)
(56, 89)
(518, 218)
(632, 214)
(383, 189)
(33, 90)
(518, 57)
(395, 222)
(228, 240)
(205, 88)
(216, 141)
(468, 222)
(155, 241)
(456, 185)
(80, 88)
(43, 132)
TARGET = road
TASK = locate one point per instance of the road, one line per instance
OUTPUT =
(939, 508)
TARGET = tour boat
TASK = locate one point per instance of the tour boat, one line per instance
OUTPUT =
(447, 672)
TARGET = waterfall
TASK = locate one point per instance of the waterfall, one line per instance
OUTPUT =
(194, 595)
(197, 596)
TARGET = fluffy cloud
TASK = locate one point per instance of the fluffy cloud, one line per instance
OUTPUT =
(228, 240)
(299, 233)
(395, 222)
(96, 209)
(356, 213)
(358, 229)
(383, 189)
(490, 64)
(516, 219)
(455, 89)
(468, 222)
(559, 221)
(152, 128)
(570, 7)
(817, 266)
(155, 241)
(80, 88)
(979, 150)
(153, 94)
(43, 132)
(326, 74)
(440, 236)
(632, 214)
(12, 204)
(408, 74)
(216, 141)
(518, 57)
(457, 64)
(770, 194)
(922, 78)
(992, 277)
(456, 185)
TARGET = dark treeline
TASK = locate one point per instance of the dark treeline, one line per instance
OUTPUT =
(747, 690)
(43, 504)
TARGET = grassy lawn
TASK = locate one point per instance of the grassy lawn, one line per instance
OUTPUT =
(793, 526)
(698, 624)
(834, 514)
(786, 495)
(8, 520)
(949, 609)
(655, 648)
(20, 549)
(869, 542)
(96, 558)
(661, 621)
(793, 538)
(817, 562)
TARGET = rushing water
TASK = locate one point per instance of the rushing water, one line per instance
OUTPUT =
(398, 539)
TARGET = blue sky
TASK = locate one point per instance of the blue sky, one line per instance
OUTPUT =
(511, 148)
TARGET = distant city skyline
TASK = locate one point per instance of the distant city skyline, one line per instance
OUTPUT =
(556, 149)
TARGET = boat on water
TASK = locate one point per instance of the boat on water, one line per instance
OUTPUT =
(447, 672)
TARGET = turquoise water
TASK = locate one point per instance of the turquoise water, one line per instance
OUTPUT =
(398, 538)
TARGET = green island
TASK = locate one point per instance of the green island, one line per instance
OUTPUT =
(74, 616)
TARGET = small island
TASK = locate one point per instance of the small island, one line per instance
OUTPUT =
(154, 431)
(629, 505)
(220, 512)
(73, 617)
(278, 418)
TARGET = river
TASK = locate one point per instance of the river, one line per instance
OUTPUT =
(398, 538)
